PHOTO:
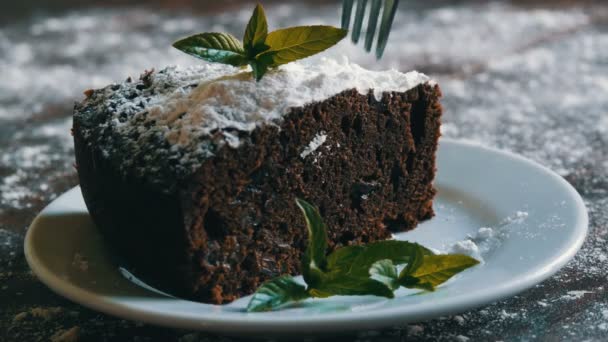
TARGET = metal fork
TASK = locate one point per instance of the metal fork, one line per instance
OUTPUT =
(388, 14)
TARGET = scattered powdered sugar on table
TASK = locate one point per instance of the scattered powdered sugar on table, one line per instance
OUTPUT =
(461, 338)
(531, 79)
(8, 241)
(574, 295)
(12, 192)
(314, 144)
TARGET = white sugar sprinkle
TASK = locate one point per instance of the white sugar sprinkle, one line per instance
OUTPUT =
(574, 295)
(174, 119)
(314, 144)
(486, 239)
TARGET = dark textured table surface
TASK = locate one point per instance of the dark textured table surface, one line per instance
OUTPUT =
(526, 76)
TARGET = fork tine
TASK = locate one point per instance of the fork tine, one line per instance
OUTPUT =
(347, 9)
(359, 14)
(388, 14)
(374, 13)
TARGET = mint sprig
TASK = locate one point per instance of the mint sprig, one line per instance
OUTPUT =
(314, 260)
(433, 270)
(214, 47)
(357, 270)
(385, 272)
(276, 293)
(260, 49)
(256, 32)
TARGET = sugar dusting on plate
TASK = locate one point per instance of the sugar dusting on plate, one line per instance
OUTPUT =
(486, 239)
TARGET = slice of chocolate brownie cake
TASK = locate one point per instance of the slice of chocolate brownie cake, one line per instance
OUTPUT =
(191, 174)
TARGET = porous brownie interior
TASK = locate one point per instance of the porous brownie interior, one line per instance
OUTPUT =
(371, 176)
(234, 224)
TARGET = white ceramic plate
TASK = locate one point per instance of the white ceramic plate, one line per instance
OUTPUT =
(539, 222)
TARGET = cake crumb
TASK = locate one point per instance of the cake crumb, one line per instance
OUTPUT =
(45, 313)
(216, 294)
(80, 262)
(70, 335)
(19, 317)
(38, 312)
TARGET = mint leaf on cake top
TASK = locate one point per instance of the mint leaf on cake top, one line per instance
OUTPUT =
(256, 32)
(214, 47)
(260, 49)
(357, 270)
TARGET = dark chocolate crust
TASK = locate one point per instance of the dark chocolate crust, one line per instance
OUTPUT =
(234, 223)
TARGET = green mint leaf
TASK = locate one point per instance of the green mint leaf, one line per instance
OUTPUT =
(357, 260)
(416, 261)
(260, 49)
(214, 47)
(356, 270)
(343, 259)
(434, 270)
(276, 293)
(258, 69)
(314, 260)
(256, 32)
(337, 284)
(414, 283)
(290, 44)
(385, 272)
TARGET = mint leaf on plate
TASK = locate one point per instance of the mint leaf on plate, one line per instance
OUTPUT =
(276, 293)
(416, 260)
(323, 281)
(434, 270)
(357, 270)
(343, 259)
(385, 272)
(357, 260)
(344, 285)
(314, 260)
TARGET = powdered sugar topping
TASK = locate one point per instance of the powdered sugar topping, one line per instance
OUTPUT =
(176, 118)
(228, 98)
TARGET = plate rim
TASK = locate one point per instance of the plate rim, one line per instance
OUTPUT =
(345, 321)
